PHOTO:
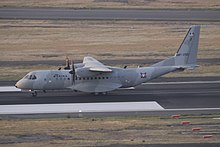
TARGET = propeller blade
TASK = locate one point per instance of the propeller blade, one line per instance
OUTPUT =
(67, 64)
(73, 72)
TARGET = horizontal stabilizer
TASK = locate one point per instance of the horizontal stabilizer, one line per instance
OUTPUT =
(190, 67)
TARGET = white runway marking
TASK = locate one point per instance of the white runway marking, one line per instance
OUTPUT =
(9, 89)
(189, 82)
(80, 107)
(192, 109)
(175, 92)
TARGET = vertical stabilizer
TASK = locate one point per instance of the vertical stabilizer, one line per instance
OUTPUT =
(186, 56)
(187, 53)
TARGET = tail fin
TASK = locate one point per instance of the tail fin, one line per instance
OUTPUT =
(186, 56)
(187, 53)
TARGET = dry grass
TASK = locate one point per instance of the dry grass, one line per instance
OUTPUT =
(43, 40)
(105, 131)
(147, 4)
(23, 40)
(17, 72)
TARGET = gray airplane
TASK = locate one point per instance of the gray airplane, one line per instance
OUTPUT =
(94, 77)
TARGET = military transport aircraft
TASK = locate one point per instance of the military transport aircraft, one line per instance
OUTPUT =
(94, 77)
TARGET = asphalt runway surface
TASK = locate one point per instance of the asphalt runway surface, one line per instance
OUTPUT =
(171, 95)
(108, 14)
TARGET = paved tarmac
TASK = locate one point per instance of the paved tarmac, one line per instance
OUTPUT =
(185, 97)
(108, 14)
(180, 95)
(177, 97)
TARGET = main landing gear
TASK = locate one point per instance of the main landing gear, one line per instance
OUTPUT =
(100, 93)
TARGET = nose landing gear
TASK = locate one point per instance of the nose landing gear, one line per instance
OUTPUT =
(34, 93)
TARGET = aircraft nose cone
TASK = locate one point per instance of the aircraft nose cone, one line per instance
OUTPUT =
(18, 84)
(22, 84)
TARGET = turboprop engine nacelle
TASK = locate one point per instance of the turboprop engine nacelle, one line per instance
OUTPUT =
(85, 72)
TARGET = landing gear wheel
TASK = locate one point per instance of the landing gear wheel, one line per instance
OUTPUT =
(104, 93)
(96, 93)
(100, 93)
(34, 93)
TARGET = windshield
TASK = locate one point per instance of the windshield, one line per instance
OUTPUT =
(30, 77)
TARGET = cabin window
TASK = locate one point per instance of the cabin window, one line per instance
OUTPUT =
(91, 78)
(88, 78)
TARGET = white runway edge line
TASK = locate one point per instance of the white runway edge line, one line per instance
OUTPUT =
(192, 109)
(189, 82)
(80, 107)
(9, 89)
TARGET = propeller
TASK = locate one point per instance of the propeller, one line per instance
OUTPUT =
(67, 64)
(73, 72)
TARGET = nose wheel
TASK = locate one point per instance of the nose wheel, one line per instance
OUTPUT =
(34, 93)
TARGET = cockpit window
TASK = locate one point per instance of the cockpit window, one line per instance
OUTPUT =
(26, 77)
(33, 77)
(30, 77)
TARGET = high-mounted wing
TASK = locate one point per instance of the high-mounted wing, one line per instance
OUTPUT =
(94, 65)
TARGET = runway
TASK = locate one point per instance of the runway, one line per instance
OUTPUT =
(108, 14)
(184, 97)
(170, 95)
